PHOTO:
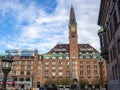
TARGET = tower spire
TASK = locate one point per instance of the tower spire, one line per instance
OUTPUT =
(72, 16)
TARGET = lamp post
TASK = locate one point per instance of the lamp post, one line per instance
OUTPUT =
(101, 71)
(6, 67)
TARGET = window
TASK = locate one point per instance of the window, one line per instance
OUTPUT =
(15, 79)
(74, 67)
(73, 62)
(54, 58)
(21, 79)
(88, 67)
(118, 45)
(22, 67)
(14, 72)
(116, 72)
(53, 68)
(67, 58)
(27, 79)
(28, 72)
(95, 62)
(115, 21)
(60, 73)
(53, 63)
(60, 63)
(22, 62)
(38, 73)
(53, 73)
(60, 57)
(114, 53)
(47, 58)
(81, 72)
(22, 72)
(46, 63)
(88, 63)
(111, 55)
(81, 67)
(81, 63)
(15, 62)
(111, 28)
(38, 67)
(109, 35)
(29, 62)
(14, 67)
(46, 68)
(95, 67)
(95, 73)
(28, 67)
(67, 63)
(118, 7)
(113, 73)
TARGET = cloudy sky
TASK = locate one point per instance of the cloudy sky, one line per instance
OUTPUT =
(41, 24)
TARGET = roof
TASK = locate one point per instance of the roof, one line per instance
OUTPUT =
(64, 48)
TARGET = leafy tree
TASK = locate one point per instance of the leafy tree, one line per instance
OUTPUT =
(96, 81)
(65, 81)
(83, 81)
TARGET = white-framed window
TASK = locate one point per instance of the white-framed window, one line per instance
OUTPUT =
(39, 62)
(53, 73)
(60, 68)
(38, 73)
(54, 58)
(53, 63)
(38, 67)
(67, 58)
(74, 67)
(53, 68)
(67, 63)
(14, 72)
(29, 62)
(46, 63)
(15, 62)
(60, 58)
(60, 73)
(47, 58)
(46, 68)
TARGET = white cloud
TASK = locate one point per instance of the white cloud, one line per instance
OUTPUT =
(44, 29)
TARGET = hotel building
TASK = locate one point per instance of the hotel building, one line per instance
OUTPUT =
(73, 61)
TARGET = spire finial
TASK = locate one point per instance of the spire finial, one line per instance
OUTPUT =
(72, 15)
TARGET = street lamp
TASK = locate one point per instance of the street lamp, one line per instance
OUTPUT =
(6, 67)
(101, 71)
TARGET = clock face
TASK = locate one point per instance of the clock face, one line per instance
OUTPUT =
(73, 29)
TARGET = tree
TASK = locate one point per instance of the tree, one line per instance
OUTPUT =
(83, 81)
(65, 81)
(96, 81)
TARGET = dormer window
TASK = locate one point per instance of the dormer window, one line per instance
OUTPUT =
(53, 57)
(47, 58)
(60, 57)
(60, 52)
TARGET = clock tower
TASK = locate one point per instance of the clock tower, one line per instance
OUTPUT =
(73, 38)
(73, 41)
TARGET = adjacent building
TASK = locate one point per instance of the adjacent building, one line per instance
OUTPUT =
(109, 21)
(74, 61)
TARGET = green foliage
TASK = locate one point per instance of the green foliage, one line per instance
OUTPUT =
(63, 81)
(96, 81)
(83, 81)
